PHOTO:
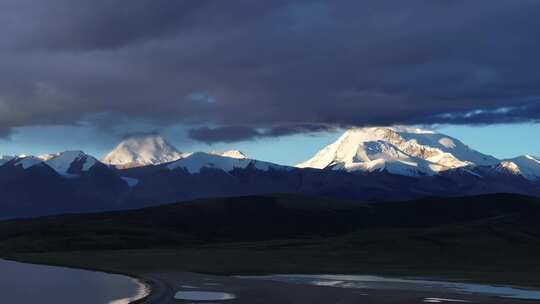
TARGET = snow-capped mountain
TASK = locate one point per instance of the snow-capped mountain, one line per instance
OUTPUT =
(154, 150)
(397, 150)
(142, 150)
(152, 171)
(69, 163)
(230, 153)
(24, 161)
(194, 162)
(526, 165)
(4, 159)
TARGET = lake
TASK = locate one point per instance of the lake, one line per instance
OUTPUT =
(412, 284)
(28, 283)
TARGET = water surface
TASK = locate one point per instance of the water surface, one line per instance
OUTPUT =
(377, 282)
(27, 283)
(204, 296)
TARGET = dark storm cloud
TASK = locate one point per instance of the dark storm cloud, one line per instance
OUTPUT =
(297, 128)
(237, 133)
(268, 68)
(223, 134)
(139, 134)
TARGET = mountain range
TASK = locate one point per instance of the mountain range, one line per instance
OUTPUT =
(369, 164)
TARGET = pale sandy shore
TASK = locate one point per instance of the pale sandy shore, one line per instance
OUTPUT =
(164, 286)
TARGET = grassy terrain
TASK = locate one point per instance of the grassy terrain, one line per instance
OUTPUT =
(299, 257)
(492, 239)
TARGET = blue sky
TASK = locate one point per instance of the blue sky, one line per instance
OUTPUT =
(502, 141)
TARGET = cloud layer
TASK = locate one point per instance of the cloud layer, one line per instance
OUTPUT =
(240, 69)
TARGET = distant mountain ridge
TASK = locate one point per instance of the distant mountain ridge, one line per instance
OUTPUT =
(366, 164)
(195, 162)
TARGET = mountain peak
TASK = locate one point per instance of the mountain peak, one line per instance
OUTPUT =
(195, 162)
(397, 149)
(230, 153)
(534, 158)
(65, 162)
(69, 153)
(26, 161)
(508, 167)
(526, 165)
(142, 150)
(5, 158)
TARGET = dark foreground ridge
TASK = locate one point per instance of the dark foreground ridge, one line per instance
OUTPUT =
(489, 238)
(273, 217)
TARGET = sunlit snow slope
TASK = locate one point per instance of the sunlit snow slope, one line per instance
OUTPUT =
(398, 150)
(143, 150)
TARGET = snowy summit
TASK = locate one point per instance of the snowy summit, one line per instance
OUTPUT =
(398, 150)
(141, 151)
(526, 165)
(231, 153)
(69, 162)
(195, 162)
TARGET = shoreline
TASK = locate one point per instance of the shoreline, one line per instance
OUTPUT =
(143, 282)
(160, 287)
(277, 292)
